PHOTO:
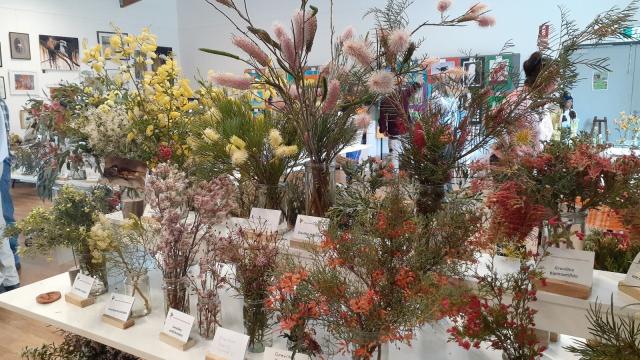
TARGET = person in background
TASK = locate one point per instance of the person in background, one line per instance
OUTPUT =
(9, 277)
(569, 115)
(5, 183)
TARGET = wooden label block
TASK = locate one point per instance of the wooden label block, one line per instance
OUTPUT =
(568, 272)
(564, 288)
(118, 323)
(76, 300)
(210, 356)
(170, 340)
(631, 283)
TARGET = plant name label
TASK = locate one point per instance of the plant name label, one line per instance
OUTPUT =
(178, 325)
(309, 228)
(82, 286)
(265, 219)
(633, 275)
(229, 345)
(573, 266)
(119, 306)
(278, 354)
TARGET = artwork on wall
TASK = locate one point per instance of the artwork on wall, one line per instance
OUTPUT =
(104, 38)
(26, 120)
(3, 89)
(125, 3)
(0, 54)
(473, 71)
(20, 46)
(23, 83)
(59, 53)
(163, 53)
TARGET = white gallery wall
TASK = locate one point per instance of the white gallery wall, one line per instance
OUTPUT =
(74, 18)
(517, 20)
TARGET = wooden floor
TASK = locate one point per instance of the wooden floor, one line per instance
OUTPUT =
(16, 331)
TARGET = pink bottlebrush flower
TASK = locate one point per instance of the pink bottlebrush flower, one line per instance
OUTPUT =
(347, 34)
(279, 31)
(362, 121)
(429, 62)
(359, 50)
(310, 29)
(240, 82)
(286, 44)
(443, 5)
(333, 94)
(486, 21)
(251, 49)
(399, 41)
(294, 92)
(298, 30)
(382, 82)
(478, 9)
(456, 73)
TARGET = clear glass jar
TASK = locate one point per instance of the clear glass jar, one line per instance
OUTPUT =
(564, 233)
(96, 271)
(269, 196)
(137, 285)
(257, 325)
(176, 296)
(320, 187)
(209, 309)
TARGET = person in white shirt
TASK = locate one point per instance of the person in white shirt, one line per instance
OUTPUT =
(569, 116)
(9, 278)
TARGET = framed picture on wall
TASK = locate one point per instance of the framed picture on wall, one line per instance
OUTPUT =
(0, 54)
(26, 120)
(59, 53)
(20, 46)
(473, 71)
(23, 83)
(104, 38)
(3, 88)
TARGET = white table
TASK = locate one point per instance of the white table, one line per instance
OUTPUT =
(142, 339)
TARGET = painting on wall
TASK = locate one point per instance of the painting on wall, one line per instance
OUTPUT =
(26, 120)
(104, 38)
(20, 46)
(23, 83)
(163, 52)
(59, 53)
(3, 89)
(473, 71)
(0, 54)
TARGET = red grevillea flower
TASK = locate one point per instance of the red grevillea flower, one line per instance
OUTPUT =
(165, 152)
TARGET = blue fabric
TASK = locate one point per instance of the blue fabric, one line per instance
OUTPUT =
(354, 155)
(7, 205)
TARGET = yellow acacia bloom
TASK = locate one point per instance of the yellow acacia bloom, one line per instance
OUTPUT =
(115, 41)
(131, 136)
(149, 130)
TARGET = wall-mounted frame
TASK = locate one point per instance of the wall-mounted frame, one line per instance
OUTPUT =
(104, 39)
(23, 83)
(0, 54)
(59, 53)
(3, 88)
(26, 120)
(20, 46)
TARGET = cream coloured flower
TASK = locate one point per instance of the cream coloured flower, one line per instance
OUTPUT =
(275, 139)
(286, 151)
(237, 142)
(239, 156)
(210, 135)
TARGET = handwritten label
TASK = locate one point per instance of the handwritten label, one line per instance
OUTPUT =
(574, 266)
(119, 306)
(309, 228)
(633, 275)
(265, 219)
(82, 286)
(229, 345)
(277, 354)
(178, 325)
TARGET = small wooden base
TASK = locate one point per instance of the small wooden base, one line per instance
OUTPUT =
(170, 340)
(118, 323)
(210, 356)
(554, 337)
(304, 245)
(565, 288)
(632, 291)
(78, 301)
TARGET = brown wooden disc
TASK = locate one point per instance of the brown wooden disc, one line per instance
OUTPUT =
(48, 298)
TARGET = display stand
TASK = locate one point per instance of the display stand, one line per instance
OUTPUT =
(567, 273)
(118, 323)
(76, 300)
(170, 340)
(564, 288)
(304, 245)
(630, 290)
(210, 356)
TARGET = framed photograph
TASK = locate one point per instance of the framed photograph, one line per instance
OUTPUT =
(20, 46)
(26, 120)
(103, 38)
(23, 83)
(473, 71)
(3, 88)
(59, 53)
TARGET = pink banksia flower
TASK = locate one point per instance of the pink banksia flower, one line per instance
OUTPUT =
(362, 121)
(310, 29)
(398, 41)
(333, 94)
(443, 5)
(287, 46)
(347, 34)
(251, 49)
(240, 82)
(298, 30)
(478, 9)
(486, 21)
(359, 51)
(381, 82)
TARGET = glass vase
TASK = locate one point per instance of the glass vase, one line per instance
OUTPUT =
(320, 187)
(564, 233)
(208, 315)
(256, 319)
(373, 346)
(269, 196)
(98, 271)
(176, 295)
(136, 284)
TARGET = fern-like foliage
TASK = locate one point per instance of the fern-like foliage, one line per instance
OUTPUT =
(613, 337)
(392, 16)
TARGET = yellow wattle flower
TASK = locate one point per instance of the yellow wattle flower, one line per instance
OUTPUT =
(149, 131)
(131, 136)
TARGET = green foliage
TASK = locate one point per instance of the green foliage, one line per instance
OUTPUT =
(613, 251)
(74, 347)
(393, 16)
(612, 337)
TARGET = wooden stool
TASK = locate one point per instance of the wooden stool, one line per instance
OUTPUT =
(599, 122)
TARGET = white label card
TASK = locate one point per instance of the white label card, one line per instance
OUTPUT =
(82, 286)
(229, 345)
(574, 266)
(119, 306)
(178, 325)
(266, 219)
(633, 275)
(309, 228)
(278, 354)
